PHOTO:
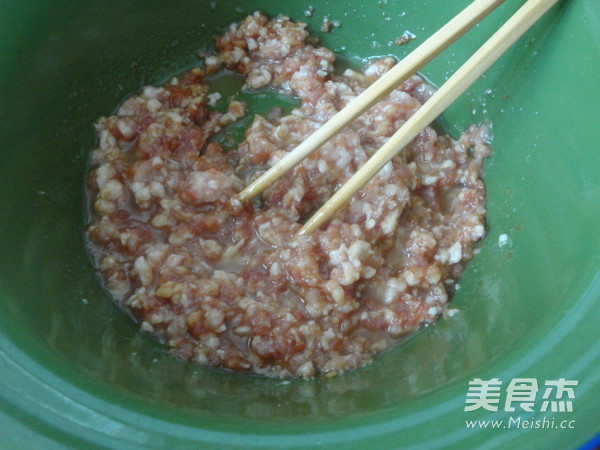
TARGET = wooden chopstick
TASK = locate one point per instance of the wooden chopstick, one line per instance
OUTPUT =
(440, 40)
(470, 71)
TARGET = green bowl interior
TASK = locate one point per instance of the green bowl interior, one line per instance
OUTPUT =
(77, 369)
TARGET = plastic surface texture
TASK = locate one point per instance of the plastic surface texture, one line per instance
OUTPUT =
(76, 371)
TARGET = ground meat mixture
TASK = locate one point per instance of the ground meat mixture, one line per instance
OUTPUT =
(227, 284)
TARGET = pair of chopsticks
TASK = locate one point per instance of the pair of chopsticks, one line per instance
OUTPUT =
(466, 75)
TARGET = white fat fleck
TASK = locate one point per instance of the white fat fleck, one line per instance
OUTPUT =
(369, 272)
(428, 180)
(258, 78)
(503, 240)
(284, 49)
(386, 171)
(174, 260)
(336, 291)
(388, 226)
(442, 256)
(350, 274)
(433, 275)
(455, 253)
(357, 251)
(243, 330)
(103, 174)
(368, 210)
(275, 269)
(156, 252)
(371, 70)
(213, 98)
(142, 192)
(214, 317)
(448, 164)
(293, 195)
(177, 118)
(410, 278)
(126, 128)
(208, 187)
(153, 105)
(389, 315)
(201, 358)
(306, 370)
(104, 206)
(393, 288)
(107, 140)
(211, 60)
(251, 43)
(161, 220)
(157, 189)
(152, 92)
(322, 165)
(112, 190)
(147, 327)
(478, 231)
(336, 256)
(392, 189)
(212, 342)
(143, 270)
(343, 159)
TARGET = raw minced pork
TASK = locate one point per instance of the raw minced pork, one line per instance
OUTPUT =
(227, 284)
